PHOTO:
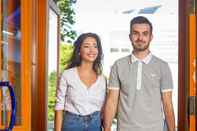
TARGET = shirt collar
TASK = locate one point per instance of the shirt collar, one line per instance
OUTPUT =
(146, 60)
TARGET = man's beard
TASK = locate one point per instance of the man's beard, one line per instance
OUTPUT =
(136, 48)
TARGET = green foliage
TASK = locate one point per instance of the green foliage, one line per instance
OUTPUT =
(67, 33)
(66, 51)
(52, 82)
(67, 19)
(65, 55)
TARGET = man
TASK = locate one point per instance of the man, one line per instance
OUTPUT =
(140, 86)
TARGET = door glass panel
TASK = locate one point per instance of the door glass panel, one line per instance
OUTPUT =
(52, 65)
(10, 57)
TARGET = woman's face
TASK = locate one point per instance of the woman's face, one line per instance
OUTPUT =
(89, 50)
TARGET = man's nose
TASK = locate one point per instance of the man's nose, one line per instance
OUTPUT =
(140, 37)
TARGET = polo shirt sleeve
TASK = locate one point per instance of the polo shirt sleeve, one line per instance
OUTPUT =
(61, 93)
(166, 78)
(114, 82)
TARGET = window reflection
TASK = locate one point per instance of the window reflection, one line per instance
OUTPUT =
(10, 57)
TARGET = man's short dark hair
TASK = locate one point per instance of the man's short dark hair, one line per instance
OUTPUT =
(140, 20)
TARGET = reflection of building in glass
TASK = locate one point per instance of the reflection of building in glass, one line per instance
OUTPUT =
(10, 57)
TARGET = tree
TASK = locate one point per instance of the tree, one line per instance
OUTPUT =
(67, 19)
(52, 82)
(65, 56)
(67, 33)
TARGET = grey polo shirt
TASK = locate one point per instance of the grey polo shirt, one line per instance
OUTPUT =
(141, 84)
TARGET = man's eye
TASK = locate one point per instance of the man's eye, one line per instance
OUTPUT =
(146, 33)
(135, 33)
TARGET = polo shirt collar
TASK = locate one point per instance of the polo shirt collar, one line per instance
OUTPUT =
(146, 60)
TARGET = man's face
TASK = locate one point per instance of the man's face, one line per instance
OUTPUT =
(140, 37)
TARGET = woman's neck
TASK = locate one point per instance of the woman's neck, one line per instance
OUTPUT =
(87, 67)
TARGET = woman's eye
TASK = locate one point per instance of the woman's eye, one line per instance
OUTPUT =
(89, 46)
(86, 46)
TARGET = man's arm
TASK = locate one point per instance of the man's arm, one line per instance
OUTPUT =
(58, 120)
(168, 110)
(110, 108)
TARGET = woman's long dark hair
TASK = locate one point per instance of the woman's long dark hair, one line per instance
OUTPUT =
(76, 59)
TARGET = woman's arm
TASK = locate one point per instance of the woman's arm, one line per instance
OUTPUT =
(58, 120)
(60, 100)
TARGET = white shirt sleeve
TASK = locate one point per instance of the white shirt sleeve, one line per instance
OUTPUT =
(61, 93)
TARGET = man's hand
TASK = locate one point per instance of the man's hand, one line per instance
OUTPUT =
(110, 108)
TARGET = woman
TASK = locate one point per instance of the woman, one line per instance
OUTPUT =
(82, 89)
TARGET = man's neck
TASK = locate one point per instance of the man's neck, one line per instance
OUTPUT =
(141, 54)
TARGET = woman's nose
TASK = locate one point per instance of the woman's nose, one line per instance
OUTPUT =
(92, 48)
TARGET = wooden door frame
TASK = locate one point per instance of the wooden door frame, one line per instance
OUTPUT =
(183, 81)
(39, 121)
(39, 63)
(26, 40)
(54, 7)
(39, 74)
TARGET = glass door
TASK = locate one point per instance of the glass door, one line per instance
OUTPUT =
(13, 64)
(10, 49)
(53, 61)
